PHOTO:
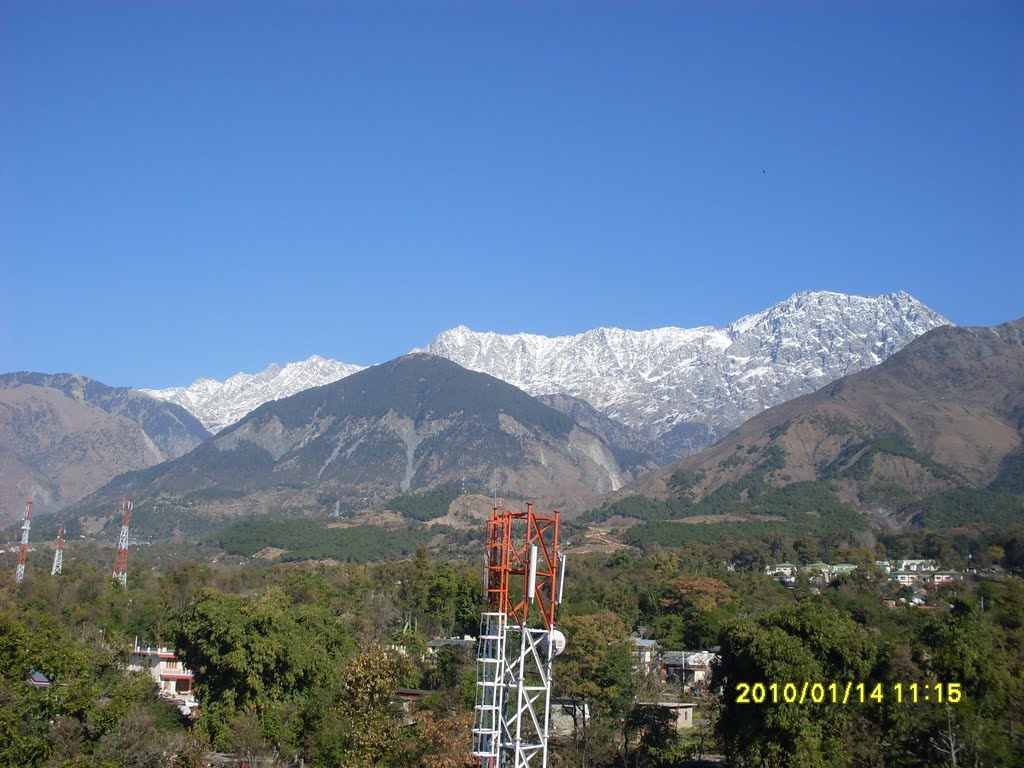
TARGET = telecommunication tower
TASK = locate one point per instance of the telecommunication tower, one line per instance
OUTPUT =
(58, 552)
(121, 560)
(523, 578)
(19, 574)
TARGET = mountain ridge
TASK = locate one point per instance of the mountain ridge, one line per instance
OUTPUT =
(62, 436)
(933, 435)
(218, 404)
(413, 424)
(688, 386)
(681, 387)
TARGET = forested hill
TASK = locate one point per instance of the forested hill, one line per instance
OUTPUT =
(931, 436)
(416, 423)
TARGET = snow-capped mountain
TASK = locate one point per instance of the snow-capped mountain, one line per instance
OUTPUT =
(219, 403)
(690, 386)
(682, 386)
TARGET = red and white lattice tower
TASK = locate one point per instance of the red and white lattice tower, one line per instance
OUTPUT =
(19, 574)
(58, 552)
(121, 560)
(523, 577)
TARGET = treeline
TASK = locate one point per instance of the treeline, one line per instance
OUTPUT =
(302, 661)
(425, 506)
(795, 510)
(311, 540)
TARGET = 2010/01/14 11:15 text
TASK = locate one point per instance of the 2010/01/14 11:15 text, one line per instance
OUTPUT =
(847, 693)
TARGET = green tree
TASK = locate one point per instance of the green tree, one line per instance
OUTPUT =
(595, 672)
(808, 641)
(256, 653)
(361, 727)
(958, 646)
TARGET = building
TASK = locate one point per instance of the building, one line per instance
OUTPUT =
(905, 578)
(38, 680)
(173, 679)
(917, 566)
(682, 712)
(781, 569)
(566, 715)
(938, 578)
(689, 669)
(435, 645)
(644, 654)
(825, 573)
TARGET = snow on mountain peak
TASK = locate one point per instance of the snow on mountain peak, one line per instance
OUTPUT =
(660, 379)
(219, 403)
(665, 381)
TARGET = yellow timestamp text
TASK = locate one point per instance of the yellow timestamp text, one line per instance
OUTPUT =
(848, 693)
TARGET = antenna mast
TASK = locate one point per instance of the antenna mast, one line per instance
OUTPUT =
(522, 570)
(19, 574)
(58, 553)
(121, 561)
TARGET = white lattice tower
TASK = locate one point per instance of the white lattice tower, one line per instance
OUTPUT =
(58, 552)
(523, 570)
(121, 560)
(19, 573)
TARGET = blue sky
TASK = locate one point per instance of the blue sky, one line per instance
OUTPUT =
(198, 188)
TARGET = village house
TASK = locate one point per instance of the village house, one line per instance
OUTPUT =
(938, 578)
(644, 654)
(906, 578)
(682, 712)
(917, 566)
(435, 645)
(566, 714)
(689, 669)
(819, 573)
(173, 679)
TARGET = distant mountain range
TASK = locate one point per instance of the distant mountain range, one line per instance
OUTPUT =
(644, 397)
(413, 424)
(63, 436)
(680, 388)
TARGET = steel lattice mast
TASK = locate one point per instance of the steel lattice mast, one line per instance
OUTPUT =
(121, 560)
(58, 552)
(523, 571)
(19, 574)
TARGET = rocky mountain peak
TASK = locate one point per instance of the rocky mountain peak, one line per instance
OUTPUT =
(219, 403)
(687, 386)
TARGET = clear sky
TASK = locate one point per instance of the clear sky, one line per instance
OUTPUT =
(200, 188)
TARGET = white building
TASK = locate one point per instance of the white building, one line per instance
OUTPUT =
(918, 566)
(172, 677)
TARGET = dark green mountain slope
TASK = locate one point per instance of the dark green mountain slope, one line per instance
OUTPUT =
(415, 423)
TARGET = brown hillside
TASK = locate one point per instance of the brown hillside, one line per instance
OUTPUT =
(943, 412)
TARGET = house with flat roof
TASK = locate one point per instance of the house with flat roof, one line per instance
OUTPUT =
(174, 680)
(689, 669)
(918, 566)
(644, 653)
(682, 712)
